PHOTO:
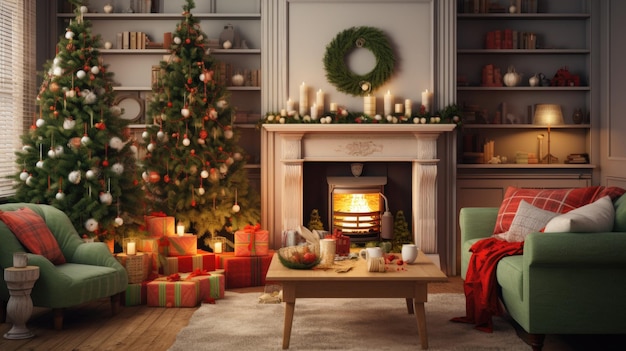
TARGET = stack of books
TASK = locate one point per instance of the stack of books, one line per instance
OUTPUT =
(577, 158)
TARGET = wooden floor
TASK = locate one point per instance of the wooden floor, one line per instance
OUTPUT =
(91, 327)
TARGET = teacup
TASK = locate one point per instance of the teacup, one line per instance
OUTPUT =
(371, 252)
(409, 253)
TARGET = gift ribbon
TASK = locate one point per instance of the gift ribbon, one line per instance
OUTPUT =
(175, 277)
(251, 231)
(198, 272)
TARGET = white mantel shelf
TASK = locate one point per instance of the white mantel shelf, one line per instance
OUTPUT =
(286, 147)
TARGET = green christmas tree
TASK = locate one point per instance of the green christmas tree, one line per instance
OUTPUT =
(194, 167)
(401, 233)
(77, 155)
(315, 222)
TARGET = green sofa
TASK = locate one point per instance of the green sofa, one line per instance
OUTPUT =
(563, 283)
(91, 272)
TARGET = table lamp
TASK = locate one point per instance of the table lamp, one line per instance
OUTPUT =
(548, 115)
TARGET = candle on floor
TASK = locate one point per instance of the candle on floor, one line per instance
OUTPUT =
(180, 230)
(218, 247)
(130, 248)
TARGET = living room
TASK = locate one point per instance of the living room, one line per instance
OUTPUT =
(425, 42)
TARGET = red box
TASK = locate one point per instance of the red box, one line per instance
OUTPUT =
(203, 260)
(182, 245)
(252, 241)
(211, 285)
(159, 226)
(164, 293)
(244, 271)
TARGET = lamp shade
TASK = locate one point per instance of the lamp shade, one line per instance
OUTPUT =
(548, 114)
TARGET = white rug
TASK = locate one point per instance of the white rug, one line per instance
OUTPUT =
(239, 322)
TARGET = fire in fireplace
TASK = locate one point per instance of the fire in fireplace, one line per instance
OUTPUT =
(355, 206)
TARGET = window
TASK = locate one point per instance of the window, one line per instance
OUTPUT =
(18, 79)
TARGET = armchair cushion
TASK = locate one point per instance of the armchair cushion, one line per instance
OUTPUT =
(528, 219)
(32, 231)
(595, 217)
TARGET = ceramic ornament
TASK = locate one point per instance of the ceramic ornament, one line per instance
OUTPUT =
(74, 177)
(69, 124)
(85, 140)
(201, 191)
(51, 153)
(160, 135)
(185, 112)
(69, 35)
(39, 164)
(186, 141)
(60, 195)
(145, 135)
(116, 143)
(95, 69)
(58, 150)
(81, 74)
(145, 176)
(40, 122)
(30, 180)
(116, 110)
(177, 40)
(90, 174)
(236, 208)
(106, 198)
(91, 225)
(89, 96)
(23, 176)
(118, 221)
(222, 104)
(151, 147)
(117, 168)
(204, 174)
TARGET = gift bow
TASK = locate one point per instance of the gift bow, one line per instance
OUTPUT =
(252, 228)
(251, 231)
(198, 272)
(173, 277)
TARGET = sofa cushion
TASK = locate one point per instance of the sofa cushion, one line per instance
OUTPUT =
(620, 214)
(596, 217)
(510, 274)
(528, 219)
(555, 200)
(32, 231)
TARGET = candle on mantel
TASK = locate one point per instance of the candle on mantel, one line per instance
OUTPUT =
(333, 107)
(387, 103)
(180, 230)
(398, 108)
(369, 105)
(217, 247)
(408, 109)
(319, 101)
(427, 98)
(314, 111)
(131, 248)
(304, 99)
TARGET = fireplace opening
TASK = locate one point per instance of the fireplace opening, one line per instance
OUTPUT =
(356, 205)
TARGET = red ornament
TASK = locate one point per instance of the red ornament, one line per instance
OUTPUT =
(193, 152)
(166, 178)
(105, 163)
(193, 203)
(189, 81)
(153, 177)
(169, 104)
(203, 134)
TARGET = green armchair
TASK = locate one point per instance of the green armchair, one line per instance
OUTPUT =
(91, 272)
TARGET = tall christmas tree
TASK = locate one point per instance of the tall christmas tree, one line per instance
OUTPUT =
(194, 167)
(77, 155)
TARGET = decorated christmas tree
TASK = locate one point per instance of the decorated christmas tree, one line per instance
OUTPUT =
(194, 167)
(77, 155)
(315, 222)
(401, 233)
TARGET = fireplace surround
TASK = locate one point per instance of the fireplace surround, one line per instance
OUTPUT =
(286, 147)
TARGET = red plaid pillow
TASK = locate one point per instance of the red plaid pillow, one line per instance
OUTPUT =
(555, 200)
(31, 230)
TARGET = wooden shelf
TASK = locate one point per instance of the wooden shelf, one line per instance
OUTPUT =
(161, 16)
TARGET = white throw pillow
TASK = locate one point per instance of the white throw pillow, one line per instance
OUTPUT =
(598, 216)
(528, 219)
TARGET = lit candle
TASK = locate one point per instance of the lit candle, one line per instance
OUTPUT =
(130, 248)
(314, 111)
(218, 247)
(319, 101)
(333, 107)
(369, 105)
(304, 99)
(398, 108)
(427, 100)
(289, 105)
(180, 230)
(388, 102)
(408, 110)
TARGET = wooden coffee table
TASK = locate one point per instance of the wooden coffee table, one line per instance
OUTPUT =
(410, 284)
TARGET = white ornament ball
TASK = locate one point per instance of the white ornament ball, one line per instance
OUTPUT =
(23, 176)
(30, 180)
(151, 147)
(57, 71)
(204, 174)
(416, 120)
(40, 122)
(145, 176)
(184, 112)
(84, 9)
(228, 134)
(282, 120)
(58, 150)
(201, 77)
(201, 191)
(116, 143)
(106, 198)
(134, 149)
(238, 156)
(201, 141)
(108, 45)
(117, 168)
(177, 40)
(91, 225)
(118, 221)
(85, 140)
(186, 141)
(69, 123)
(389, 118)
(236, 208)
(378, 117)
(95, 69)
(74, 177)
(39, 164)
(423, 120)
(59, 196)
(365, 87)
(90, 174)
(81, 74)
(160, 134)
(90, 97)
(223, 168)
(145, 135)
(69, 35)
(70, 93)
(116, 110)
(51, 153)
(222, 103)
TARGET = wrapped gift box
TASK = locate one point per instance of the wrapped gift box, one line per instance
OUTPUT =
(160, 225)
(211, 284)
(251, 241)
(182, 245)
(242, 271)
(342, 243)
(135, 294)
(148, 245)
(184, 264)
(164, 293)
(137, 266)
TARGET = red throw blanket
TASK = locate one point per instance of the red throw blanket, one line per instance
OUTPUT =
(481, 297)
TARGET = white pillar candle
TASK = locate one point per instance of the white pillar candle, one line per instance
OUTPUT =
(217, 247)
(398, 108)
(130, 248)
(369, 105)
(314, 111)
(319, 101)
(289, 105)
(304, 99)
(388, 103)
(333, 107)
(427, 100)
(408, 110)
(180, 230)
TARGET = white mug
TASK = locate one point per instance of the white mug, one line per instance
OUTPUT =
(409, 253)
(371, 252)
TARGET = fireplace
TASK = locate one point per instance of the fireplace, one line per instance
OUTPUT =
(355, 206)
(285, 148)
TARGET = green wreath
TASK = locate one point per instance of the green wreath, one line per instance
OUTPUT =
(337, 71)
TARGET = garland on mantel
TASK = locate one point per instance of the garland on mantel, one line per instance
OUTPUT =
(339, 74)
(449, 114)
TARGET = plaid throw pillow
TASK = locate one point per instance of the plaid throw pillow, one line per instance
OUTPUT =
(555, 200)
(31, 230)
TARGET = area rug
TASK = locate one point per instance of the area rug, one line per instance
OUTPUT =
(239, 322)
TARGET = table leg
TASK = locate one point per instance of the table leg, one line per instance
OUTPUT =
(289, 297)
(420, 315)
(409, 305)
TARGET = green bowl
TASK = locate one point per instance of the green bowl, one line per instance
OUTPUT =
(283, 252)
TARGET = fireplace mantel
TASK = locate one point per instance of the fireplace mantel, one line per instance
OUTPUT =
(285, 148)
